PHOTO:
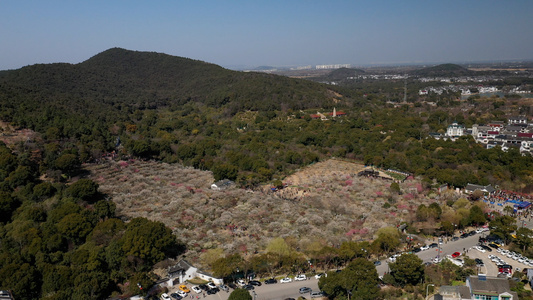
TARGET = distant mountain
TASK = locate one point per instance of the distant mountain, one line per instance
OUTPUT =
(118, 81)
(343, 73)
(263, 68)
(337, 75)
(444, 70)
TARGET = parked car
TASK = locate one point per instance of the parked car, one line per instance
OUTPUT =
(165, 296)
(433, 245)
(486, 248)
(223, 287)
(300, 277)
(317, 294)
(248, 287)
(196, 289)
(255, 282)
(305, 289)
(241, 282)
(479, 262)
(182, 293)
(424, 248)
(317, 276)
(416, 250)
(203, 287)
(285, 280)
(377, 263)
(456, 254)
(184, 288)
(478, 248)
(459, 262)
(176, 296)
(455, 238)
(232, 285)
(212, 291)
(271, 281)
(211, 285)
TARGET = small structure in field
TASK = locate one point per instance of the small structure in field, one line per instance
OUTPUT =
(221, 185)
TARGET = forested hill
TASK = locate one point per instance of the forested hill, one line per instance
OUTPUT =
(119, 80)
(343, 73)
(444, 70)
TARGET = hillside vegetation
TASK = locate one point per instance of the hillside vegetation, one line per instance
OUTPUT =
(325, 203)
(154, 131)
(116, 82)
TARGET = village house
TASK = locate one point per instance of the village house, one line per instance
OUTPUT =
(470, 188)
(516, 134)
(517, 120)
(183, 271)
(479, 287)
(455, 130)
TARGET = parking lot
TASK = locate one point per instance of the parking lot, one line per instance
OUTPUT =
(490, 267)
(463, 245)
(277, 291)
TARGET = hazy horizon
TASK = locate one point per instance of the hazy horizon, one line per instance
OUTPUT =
(273, 33)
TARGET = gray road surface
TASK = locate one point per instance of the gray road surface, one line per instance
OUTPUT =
(277, 291)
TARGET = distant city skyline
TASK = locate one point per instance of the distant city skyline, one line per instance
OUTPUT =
(248, 34)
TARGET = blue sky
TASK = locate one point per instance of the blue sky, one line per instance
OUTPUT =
(275, 33)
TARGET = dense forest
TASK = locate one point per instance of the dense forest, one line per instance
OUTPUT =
(59, 239)
(252, 127)
(62, 241)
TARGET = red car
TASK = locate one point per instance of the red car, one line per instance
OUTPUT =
(456, 254)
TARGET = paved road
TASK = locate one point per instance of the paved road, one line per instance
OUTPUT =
(447, 248)
(281, 291)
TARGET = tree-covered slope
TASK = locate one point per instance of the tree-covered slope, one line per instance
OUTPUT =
(444, 70)
(119, 80)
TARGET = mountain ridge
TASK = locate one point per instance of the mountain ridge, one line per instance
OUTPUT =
(444, 70)
(118, 81)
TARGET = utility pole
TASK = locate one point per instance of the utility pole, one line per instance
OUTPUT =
(405, 90)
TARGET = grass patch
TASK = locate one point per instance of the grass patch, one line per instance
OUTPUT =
(458, 283)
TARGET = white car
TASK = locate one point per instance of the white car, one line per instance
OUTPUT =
(285, 280)
(196, 289)
(241, 282)
(425, 247)
(456, 262)
(165, 296)
(300, 277)
(317, 276)
(181, 293)
(211, 285)
(480, 249)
